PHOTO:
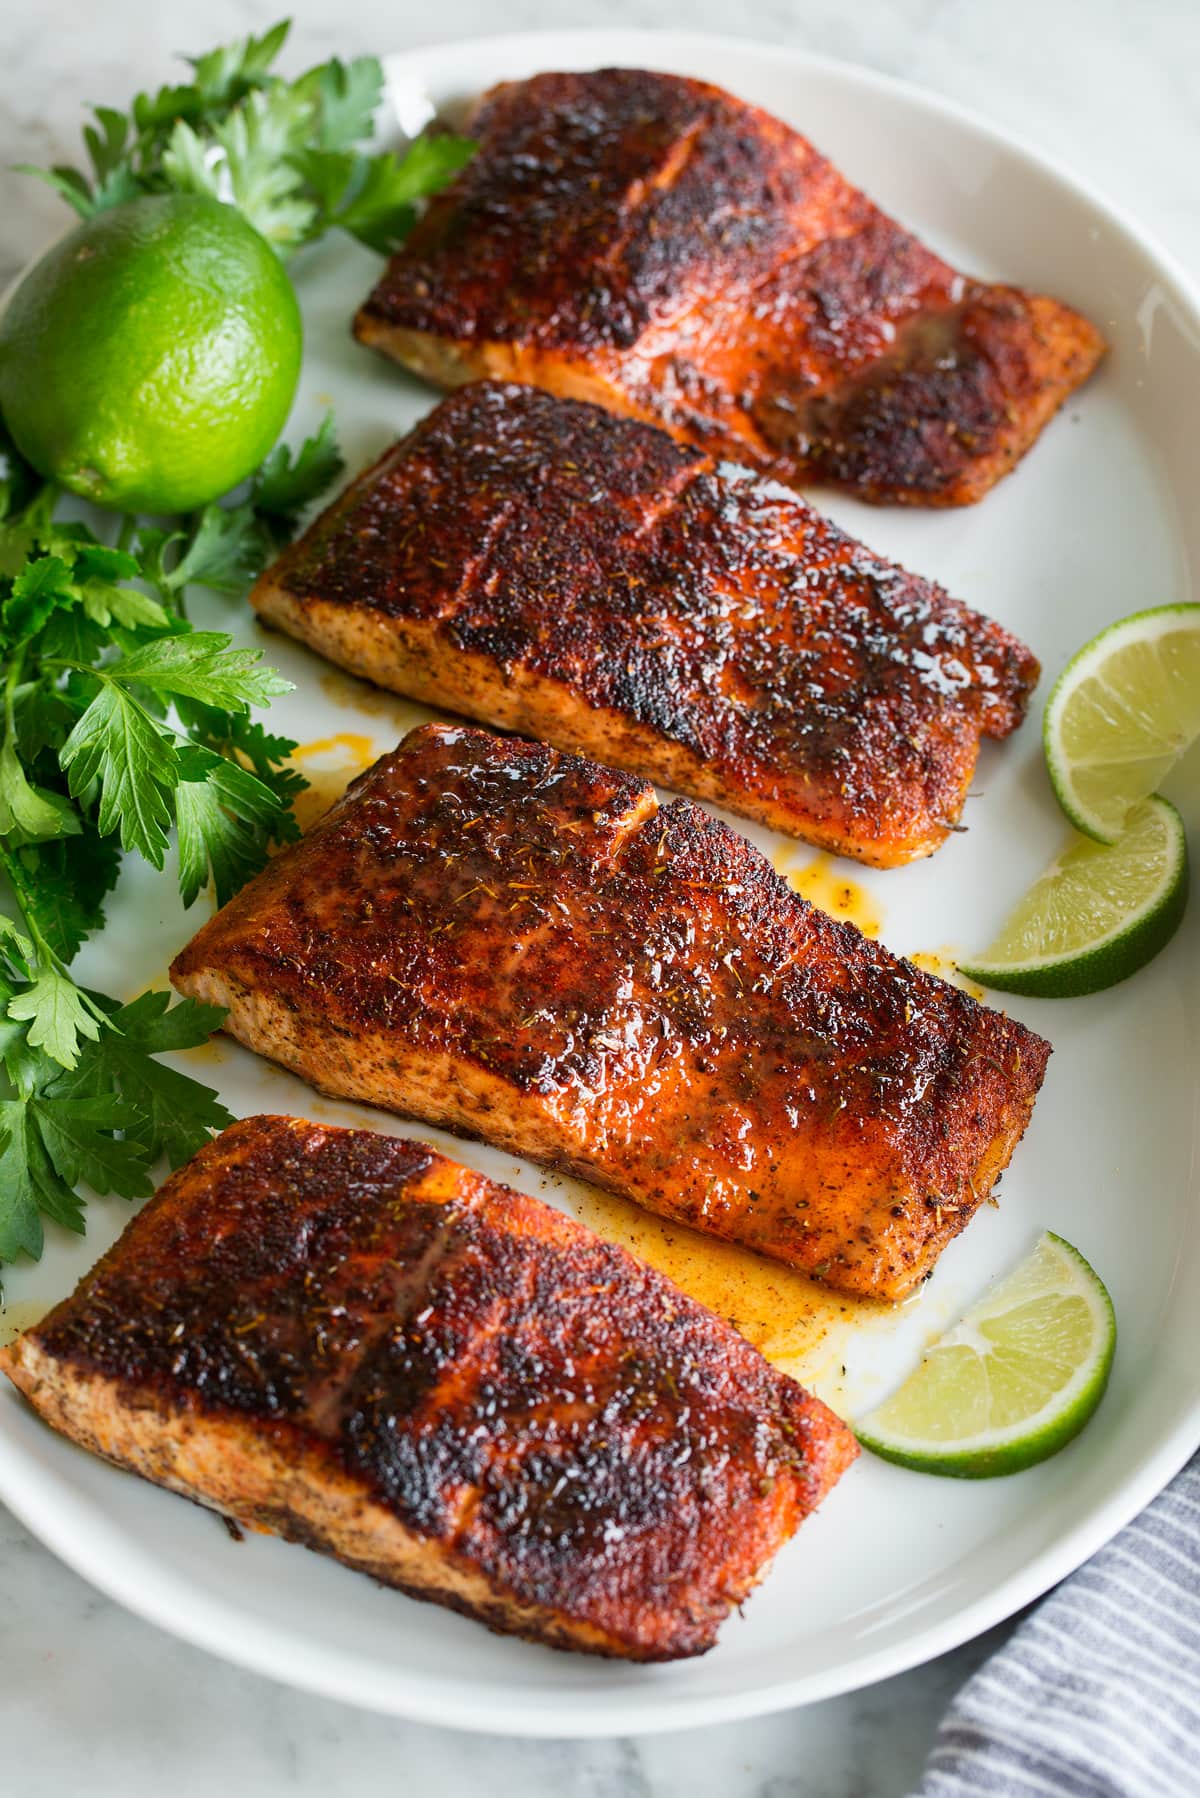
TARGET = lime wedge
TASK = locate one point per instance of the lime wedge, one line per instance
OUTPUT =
(1121, 714)
(1013, 1382)
(1098, 914)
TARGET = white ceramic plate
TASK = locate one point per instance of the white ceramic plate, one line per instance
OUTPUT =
(1099, 520)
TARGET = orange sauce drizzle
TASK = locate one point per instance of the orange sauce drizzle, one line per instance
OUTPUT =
(15, 1318)
(824, 883)
(797, 1323)
(943, 964)
(347, 689)
(329, 764)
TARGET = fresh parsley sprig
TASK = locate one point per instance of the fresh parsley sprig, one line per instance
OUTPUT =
(104, 1121)
(287, 154)
(120, 723)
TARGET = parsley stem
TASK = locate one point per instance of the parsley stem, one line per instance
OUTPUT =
(179, 593)
(11, 681)
(46, 957)
(14, 674)
(18, 882)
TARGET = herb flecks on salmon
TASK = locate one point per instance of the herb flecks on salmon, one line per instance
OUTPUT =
(353, 1342)
(543, 566)
(655, 244)
(527, 947)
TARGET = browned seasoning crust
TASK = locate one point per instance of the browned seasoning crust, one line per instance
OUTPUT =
(543, 566)
(524, 946)
(351, 1341)
(654, 244)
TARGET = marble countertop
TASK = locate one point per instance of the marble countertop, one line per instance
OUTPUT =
(90, 1697)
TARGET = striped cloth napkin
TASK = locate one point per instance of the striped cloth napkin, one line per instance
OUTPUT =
(1097, 1693)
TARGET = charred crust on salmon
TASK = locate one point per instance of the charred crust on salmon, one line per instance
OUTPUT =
(655, 244)
(546, 567)
(354, 1342)
(525, 946)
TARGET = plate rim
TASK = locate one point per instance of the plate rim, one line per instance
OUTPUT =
(556, 1715)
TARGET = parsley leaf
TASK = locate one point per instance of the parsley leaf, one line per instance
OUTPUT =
(285, 485)
(244, 159)
(287, 153)
(227, 550)
(57, 1011)
(118, 744)
(381, 209)
(230, 545)
(225, 74)
(63, 886)
(106, 141)
(348, 95)
(78, 1137)
(200, 665)
(29, 1185)
(30, 813)
(244, 743)
(119, 723)
(177, 1113)
(105, 1123)
(215, 816)
(40, 587)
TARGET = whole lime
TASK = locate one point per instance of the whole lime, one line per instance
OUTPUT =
(149, 360)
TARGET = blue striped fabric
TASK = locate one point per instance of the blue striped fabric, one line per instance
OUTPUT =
(1097, 1693)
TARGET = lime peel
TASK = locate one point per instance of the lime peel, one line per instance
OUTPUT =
(1097, 915)
(1121, 714)
(149, 360)
(1013, 1382)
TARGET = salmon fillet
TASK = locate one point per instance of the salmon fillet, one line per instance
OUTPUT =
(656, 245)
(541, 565)
(353, 1342)
(524, 946)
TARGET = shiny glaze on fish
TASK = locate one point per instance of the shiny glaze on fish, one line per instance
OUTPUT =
(654, 244)
(356, 1343)
(543, 566)
(525, 946)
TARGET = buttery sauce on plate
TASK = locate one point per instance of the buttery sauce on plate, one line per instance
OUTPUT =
(822, 882)
(15, 1318)
(942, 963)
(210, 1054)
(797, 1323)
(329, 764)
(376, 702)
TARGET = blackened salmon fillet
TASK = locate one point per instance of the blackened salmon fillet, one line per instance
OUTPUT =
(654, 244)
(540, 565)
(523, 945)
(351, 1341)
